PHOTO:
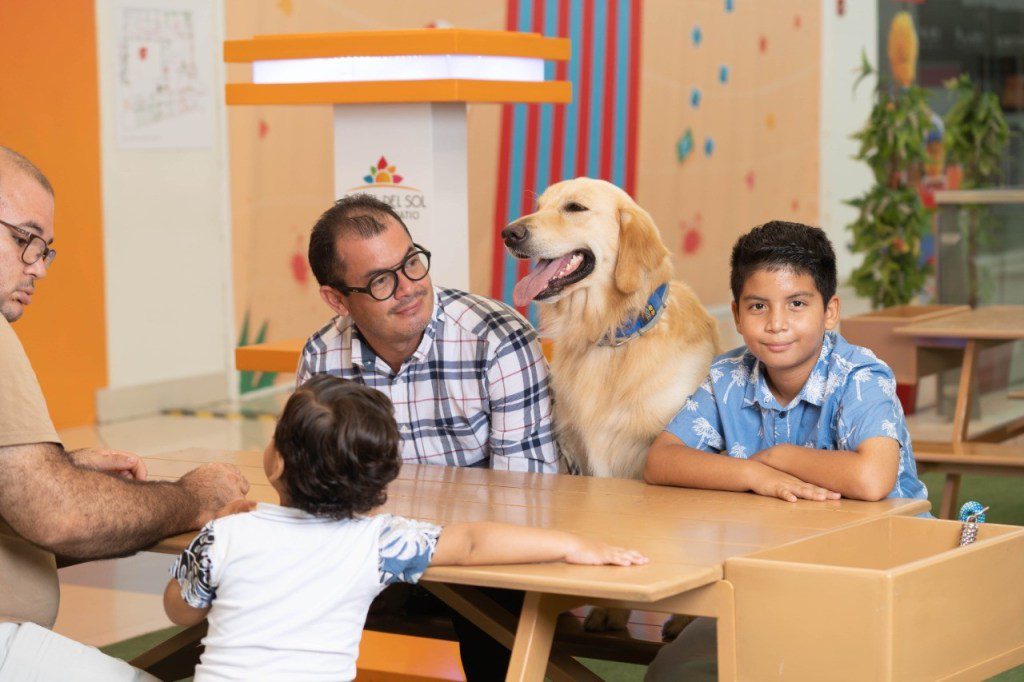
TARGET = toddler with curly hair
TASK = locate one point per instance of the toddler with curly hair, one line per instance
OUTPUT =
(286, 588)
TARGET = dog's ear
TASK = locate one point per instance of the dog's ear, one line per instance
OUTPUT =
(640, 248)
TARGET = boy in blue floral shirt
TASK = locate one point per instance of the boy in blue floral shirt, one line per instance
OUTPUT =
(800, 412)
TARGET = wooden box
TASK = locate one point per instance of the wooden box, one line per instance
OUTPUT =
(890, 599)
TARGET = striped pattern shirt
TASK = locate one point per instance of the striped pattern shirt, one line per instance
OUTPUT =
(474, 393)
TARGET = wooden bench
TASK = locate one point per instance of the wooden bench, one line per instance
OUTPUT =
(177, 657)
(957, 459)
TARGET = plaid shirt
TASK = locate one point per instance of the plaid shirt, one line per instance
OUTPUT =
(474, 393)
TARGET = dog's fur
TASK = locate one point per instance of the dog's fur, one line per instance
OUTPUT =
(611, 402)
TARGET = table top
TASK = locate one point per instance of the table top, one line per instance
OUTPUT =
(995, 323)
(688, 534)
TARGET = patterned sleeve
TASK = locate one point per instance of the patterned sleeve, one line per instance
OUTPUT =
(698, 423)
(870, 408)
(406, 547)
(521, 436)
(192, 570)
(305, 368)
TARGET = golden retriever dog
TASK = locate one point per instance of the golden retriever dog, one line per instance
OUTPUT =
(627, 351)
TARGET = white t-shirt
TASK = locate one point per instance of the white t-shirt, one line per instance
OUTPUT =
(290, 591)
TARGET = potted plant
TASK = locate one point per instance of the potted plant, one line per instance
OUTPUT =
(976, 136)
(892, 218)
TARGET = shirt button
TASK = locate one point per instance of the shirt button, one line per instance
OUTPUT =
(782, 414)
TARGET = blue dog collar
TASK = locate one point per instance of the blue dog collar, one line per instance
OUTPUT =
(648, 317)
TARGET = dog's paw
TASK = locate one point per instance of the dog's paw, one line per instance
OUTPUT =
(671, 628)
(601, 619)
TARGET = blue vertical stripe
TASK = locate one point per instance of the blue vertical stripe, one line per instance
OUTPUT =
(623, 92)
(543, 158)
(594, 135)
(515, 188)
(572, 132)
(524, 22)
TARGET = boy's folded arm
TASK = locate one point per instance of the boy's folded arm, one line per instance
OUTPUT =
(869, 473)
(178, 610)
(672, 462)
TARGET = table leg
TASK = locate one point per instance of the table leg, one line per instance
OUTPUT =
(533, 637)
(965, 393)
(950, 492)
(487, 615)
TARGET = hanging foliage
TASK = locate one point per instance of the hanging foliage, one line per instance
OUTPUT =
(892, 219)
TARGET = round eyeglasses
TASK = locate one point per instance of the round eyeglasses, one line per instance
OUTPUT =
(384, 283)
(33, 246)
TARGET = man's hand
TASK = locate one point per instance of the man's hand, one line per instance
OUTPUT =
(214, 486)
(774, 483)
(117, 462)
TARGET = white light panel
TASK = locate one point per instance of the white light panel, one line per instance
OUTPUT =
(398, 68)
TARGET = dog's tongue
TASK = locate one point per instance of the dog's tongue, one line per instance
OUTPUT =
(537, 280)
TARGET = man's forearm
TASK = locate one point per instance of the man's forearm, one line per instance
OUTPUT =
(847, 473)
(85, 514)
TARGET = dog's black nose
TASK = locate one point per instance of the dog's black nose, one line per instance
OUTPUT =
(515, 234)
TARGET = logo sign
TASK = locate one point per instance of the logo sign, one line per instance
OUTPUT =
(385, 183)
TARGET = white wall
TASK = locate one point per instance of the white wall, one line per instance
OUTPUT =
(167, 250)
(843, 112)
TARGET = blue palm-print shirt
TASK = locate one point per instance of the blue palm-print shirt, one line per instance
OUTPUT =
(850, 396)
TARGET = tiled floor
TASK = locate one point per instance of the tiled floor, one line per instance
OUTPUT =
(108, 601)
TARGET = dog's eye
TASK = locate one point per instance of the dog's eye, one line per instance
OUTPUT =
(573, 207)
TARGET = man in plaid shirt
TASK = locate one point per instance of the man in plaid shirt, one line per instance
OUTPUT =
(465, 373)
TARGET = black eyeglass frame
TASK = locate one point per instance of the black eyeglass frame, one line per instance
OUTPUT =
(419, 251)
(47, 254)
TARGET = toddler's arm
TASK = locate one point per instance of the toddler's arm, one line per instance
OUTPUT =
(466, 544)
(178, 610)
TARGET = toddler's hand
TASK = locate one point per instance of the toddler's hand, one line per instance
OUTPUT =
(239, 506)
(595, 553)
(774, 483)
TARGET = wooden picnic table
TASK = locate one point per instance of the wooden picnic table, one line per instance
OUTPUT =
(974, 330)
(688, 534)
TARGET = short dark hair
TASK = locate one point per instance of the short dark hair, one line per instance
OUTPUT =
(362, 214)
(339, 443)
(26, 166)
(782, 245)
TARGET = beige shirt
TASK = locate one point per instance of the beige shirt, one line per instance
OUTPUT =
(28, 574)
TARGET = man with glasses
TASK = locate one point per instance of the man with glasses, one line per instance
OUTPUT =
(86, 504)
(466, 374)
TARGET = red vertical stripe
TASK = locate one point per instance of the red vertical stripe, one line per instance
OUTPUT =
(558, 124)
(501, 196)
(634, 95)
(608, 106)
(583, 105)
(531, 151)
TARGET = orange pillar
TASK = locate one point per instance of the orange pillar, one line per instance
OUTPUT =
(50, 89)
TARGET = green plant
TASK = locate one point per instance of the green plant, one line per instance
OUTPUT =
(247, 379)
(891, 219)
(976, 136)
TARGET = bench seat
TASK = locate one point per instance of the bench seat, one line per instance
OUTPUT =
(957, 459)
